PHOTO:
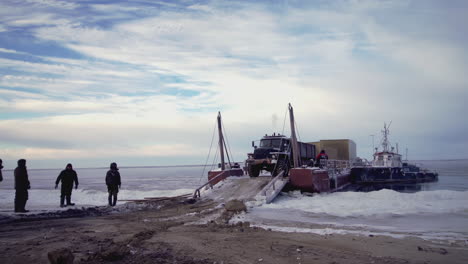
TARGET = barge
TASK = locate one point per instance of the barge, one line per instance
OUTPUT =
(291, 165)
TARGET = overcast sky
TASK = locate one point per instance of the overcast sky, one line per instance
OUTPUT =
(140, 83)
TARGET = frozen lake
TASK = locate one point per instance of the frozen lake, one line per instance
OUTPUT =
(439, 210)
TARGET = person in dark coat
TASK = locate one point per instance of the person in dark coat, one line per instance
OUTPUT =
(321, 156)
(68, 176)
(22, 186)
(113, 183)
(1, 167)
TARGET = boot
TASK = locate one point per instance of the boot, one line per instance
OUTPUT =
(115, 200)
(69, 201)
(62, 199)
(18, 203)
(23, 205)
(110, 199)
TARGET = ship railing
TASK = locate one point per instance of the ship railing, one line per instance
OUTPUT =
(197, 194)
(387, 163)
(361, 163)
(335, 166)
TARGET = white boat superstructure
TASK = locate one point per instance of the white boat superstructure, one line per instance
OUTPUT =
(388, 167)
(386, 158)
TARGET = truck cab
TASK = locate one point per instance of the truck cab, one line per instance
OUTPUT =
(272, 153)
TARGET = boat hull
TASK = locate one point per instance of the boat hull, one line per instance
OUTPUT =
(367, 175)
(316, 180)
(309, 180)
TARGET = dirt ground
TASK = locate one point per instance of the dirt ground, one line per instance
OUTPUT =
(180, 231)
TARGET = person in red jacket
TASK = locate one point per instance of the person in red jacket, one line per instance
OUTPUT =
(321, 156)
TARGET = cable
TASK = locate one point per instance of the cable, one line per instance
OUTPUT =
(284, 120)
(227, 153)
(215, 159)
(297, 130)
(209, 153)
(228, 148)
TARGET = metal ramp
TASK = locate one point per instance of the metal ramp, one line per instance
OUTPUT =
(263, 189)
(239, 188)
(273, 188)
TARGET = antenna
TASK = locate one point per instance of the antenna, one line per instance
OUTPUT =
(385, 133)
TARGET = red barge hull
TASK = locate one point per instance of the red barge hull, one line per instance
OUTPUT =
(225, 173)
(316, 180)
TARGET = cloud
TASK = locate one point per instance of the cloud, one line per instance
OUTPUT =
(8, 50)
(346, 67)
(41, 19)
(53, 3)
(163, 150)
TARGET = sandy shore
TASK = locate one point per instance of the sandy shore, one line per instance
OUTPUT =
(179, 231)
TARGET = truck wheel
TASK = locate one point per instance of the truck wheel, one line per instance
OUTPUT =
(254, 171)
(282, 165)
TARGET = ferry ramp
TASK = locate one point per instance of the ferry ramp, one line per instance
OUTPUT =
(239, 188)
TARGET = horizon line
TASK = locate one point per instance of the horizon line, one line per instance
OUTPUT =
(196, 165)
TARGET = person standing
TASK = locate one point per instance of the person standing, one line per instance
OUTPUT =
(68, 176)
(22, 186)
(1, 167)
(113, 183)
(321, 158)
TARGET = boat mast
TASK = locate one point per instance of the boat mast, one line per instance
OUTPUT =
(293, 137)
(221, 141)
(386, 132)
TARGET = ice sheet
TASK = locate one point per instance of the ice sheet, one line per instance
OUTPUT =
(45, 200)
(377, 203)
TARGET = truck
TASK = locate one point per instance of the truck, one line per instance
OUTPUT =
(274, 154)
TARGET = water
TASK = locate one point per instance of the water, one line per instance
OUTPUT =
(137, 183)
(438, 211)
(453, 174)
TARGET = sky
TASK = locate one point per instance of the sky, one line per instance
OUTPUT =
(141, 82)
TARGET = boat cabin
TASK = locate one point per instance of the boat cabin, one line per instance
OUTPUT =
(387, 159)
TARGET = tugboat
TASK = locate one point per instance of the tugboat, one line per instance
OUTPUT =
(388, 167)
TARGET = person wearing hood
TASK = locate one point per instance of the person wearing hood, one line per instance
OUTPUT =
(113, 183)
(1, 167)
(68, 176)
(22, 185)
(321, 158)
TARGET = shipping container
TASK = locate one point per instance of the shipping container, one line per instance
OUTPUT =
(337, 149)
